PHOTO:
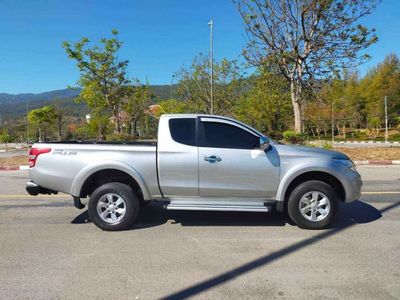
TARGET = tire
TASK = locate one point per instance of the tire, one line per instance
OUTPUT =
(319, 204)
(144, 203)
(113, 206)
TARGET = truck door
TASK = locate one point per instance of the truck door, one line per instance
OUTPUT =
(178, 166)
(231, 164)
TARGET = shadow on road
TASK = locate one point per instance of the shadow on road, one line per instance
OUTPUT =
(352, 214)
(154, 215)
(356, 212)
(82, 218)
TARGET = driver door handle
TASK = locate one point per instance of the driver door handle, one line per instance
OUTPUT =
(212, 158)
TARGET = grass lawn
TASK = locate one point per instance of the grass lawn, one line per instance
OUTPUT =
(14, 161)
(371, 153)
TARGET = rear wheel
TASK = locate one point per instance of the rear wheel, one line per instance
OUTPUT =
(113, 206)
(313, 205)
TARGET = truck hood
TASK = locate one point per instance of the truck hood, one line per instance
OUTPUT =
(303, 151)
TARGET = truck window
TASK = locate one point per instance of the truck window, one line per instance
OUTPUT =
(183, 130)
(220, 135)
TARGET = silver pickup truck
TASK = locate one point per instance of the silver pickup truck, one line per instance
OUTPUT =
(200, 162)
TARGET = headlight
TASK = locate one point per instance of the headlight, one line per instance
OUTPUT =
(347, 162)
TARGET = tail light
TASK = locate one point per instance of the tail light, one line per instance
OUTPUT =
(34, 153)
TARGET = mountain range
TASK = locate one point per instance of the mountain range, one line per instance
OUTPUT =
(16, 105)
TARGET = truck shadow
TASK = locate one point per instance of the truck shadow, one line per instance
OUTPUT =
(152, 215)
(352, 214)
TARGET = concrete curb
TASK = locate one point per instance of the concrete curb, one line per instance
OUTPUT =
(365, 142)
(8, 168)
(377, 162)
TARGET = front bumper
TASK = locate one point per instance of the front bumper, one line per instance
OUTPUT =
(353, 190)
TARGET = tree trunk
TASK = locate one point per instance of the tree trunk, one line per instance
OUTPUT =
(130, 126)
(338, 128)
(117, 121)
(40, 135)
(60, 132)
(312, 132)
(101, 132)
(115, 111)
(296, 102)
(134, 129)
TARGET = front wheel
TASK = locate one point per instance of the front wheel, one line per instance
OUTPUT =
(113, 206)
(313, 205)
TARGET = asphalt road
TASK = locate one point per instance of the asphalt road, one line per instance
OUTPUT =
(48, 251)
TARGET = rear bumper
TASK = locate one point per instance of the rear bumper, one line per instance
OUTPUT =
(34, 189)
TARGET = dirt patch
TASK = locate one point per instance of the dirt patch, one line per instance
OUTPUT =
(370, 153)
(14, 161)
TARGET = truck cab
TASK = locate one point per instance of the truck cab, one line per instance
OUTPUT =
(212, 157)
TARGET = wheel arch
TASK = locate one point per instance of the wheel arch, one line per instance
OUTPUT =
(93, 176)
(288, 185)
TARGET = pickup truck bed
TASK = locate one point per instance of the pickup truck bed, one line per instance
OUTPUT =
(88, 142)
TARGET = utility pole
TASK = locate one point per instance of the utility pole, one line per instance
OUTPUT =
(27, 124)
(333, 127)
(386, 121)
(211, 66)
(172, 83)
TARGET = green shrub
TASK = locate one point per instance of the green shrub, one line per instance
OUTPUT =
(294, 137)
(276, 135)
(119, 137)
(395, 138)
(358, 135)
(327, 146)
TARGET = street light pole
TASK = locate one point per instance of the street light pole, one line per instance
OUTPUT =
(211, 66)
(333, 127)
(386, 121)
(172, 83)
(27, 124)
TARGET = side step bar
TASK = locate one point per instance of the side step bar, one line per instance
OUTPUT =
(214, 207)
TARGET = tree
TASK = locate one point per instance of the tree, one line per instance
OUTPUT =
(99, 123)
(382, 80)
(342, 94)
(173, 106)
(103, 76)
(59, 118)
(72, 127)
(305, 40)
(265, 103)
(194, 86)
(41, 117)
(138, 99)
(5, 139)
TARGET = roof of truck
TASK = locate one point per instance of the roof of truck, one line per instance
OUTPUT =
(193, 116)
(209, 116)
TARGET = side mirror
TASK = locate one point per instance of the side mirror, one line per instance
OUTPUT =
(264, 143)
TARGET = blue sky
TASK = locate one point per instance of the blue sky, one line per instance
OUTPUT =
(159, 37)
